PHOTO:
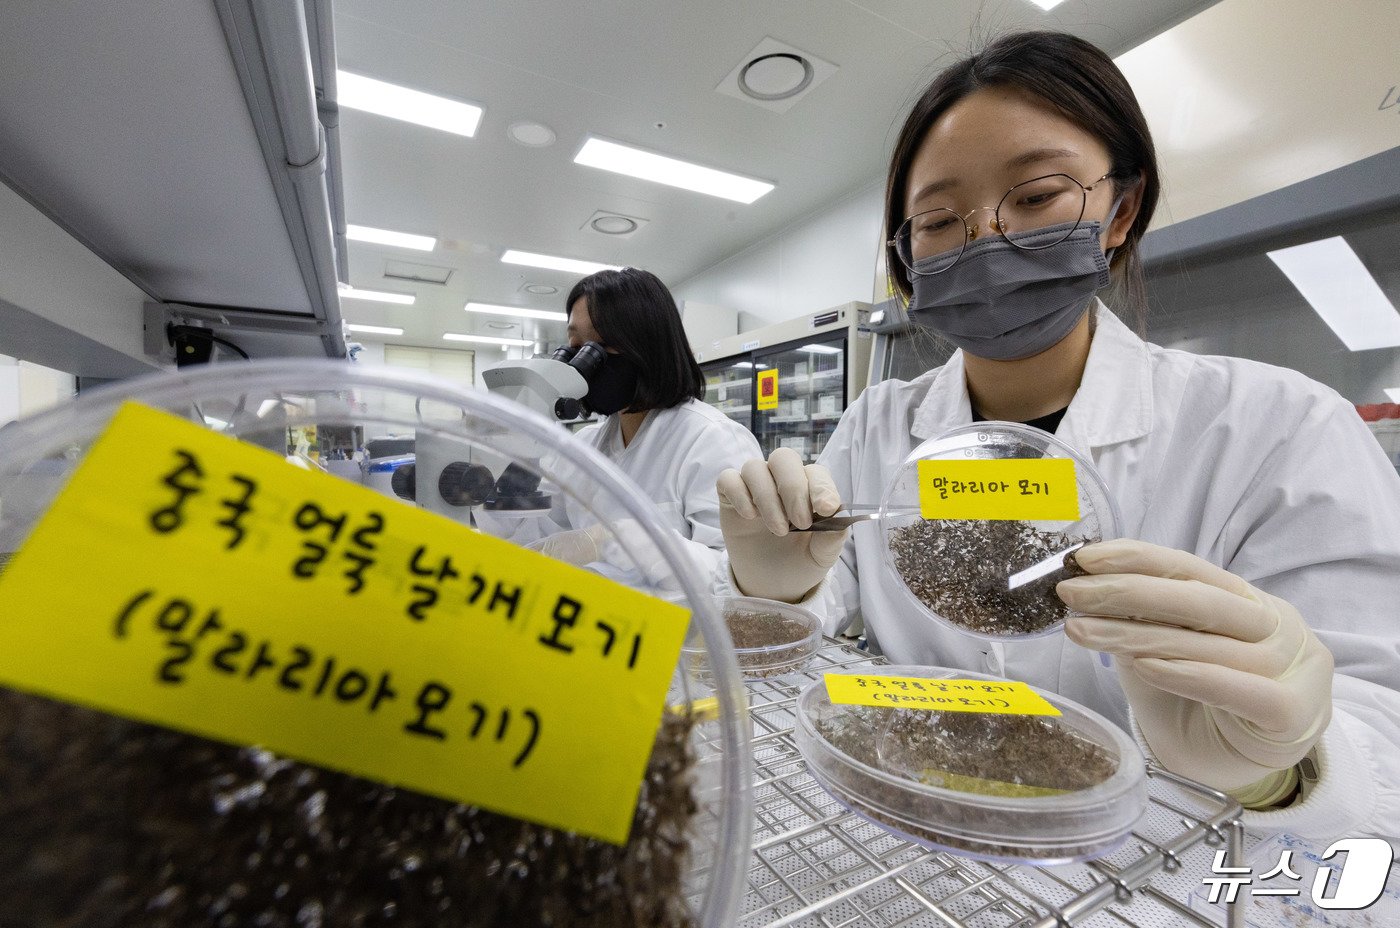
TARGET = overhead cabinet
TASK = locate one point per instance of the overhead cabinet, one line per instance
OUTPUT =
(192, 147)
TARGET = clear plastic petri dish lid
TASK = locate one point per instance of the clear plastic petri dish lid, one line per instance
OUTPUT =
(303, 843)
(1042, 790)
(991, 578)
(770, 638)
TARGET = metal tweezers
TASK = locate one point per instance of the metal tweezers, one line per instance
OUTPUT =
(860, 512)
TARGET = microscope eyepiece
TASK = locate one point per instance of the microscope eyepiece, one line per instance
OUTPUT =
(588, 359)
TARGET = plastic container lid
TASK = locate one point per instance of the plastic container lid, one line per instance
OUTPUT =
(1030, 789)
(958, 572)
(770, 638)
(259, 402)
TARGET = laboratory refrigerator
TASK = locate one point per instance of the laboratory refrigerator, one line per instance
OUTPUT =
(791, 393)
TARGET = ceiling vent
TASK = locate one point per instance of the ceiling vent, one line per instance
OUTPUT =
(613, 225)
(775, 76)
(417, 273)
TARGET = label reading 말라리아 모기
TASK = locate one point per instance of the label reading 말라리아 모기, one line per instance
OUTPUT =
(1029, 489)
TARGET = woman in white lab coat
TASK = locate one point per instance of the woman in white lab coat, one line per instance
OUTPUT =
(1264, 520)
(656, 430)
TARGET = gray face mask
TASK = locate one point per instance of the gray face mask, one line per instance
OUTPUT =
(1004, 303)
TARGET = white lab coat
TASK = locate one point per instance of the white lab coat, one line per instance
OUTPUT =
(1252, 467)
(675, 458)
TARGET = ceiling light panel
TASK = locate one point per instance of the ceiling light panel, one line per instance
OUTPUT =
(1337, 285)
(387, 237)
(661, 169)
(820, 349)
(384, 99)
(552, 263)
(516, 311)
(377, 296)
(487, 340)
(375, 329)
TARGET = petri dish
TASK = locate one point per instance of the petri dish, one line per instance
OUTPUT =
(990, 578)
(109, 819)
(770, 638)
(1041, 790)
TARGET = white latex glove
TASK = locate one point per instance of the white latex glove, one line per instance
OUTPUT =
(623, 545)
(1227, 683)
(628, 548)
(577, 546)
(757, 505)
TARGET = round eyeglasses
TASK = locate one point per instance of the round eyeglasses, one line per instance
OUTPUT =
(934, 240)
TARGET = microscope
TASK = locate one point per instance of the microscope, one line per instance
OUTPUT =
(554, 386)
(452, 477)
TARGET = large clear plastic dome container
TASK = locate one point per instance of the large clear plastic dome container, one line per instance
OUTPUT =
(990, 578)
(105, 820)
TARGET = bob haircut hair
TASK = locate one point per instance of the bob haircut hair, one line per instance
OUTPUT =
(636, 315)
(1085, 86)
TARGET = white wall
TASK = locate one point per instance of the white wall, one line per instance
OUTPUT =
(822, 260)
(27, 388)
(371, 355)
(9, 389)
(450, 365)
(51, 287)
(485, 356)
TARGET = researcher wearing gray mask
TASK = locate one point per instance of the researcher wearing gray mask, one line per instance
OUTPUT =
(1250, 606)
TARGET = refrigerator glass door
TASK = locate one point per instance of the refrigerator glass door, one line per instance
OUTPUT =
(810, 396)
(729, 388)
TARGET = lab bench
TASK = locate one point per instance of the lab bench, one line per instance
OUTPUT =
(816, 864)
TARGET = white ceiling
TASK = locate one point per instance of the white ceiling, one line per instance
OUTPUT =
(618, 69)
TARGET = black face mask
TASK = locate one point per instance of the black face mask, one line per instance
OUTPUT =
(613, 386)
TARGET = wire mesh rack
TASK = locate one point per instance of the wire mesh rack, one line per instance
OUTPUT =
(815, 864)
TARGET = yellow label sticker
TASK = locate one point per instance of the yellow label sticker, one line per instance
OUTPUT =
(193, 581)
(1032, 489)
(768, 389)
(984, 787)
(1002, 697)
